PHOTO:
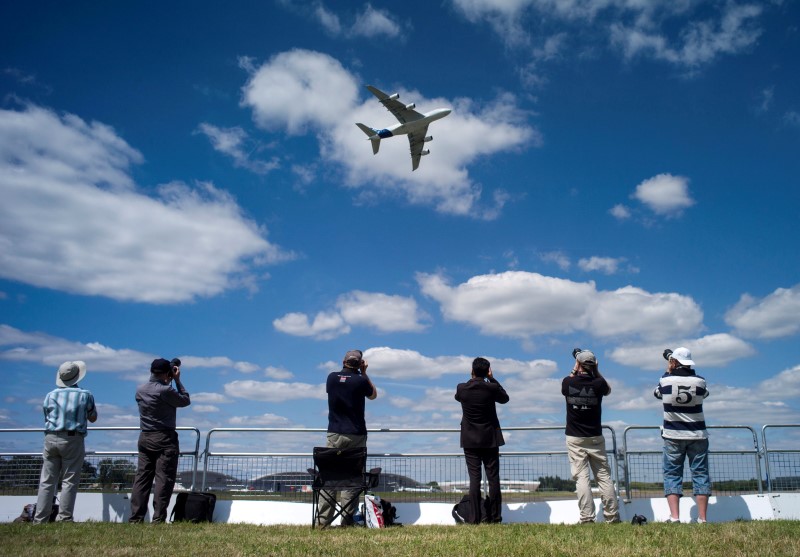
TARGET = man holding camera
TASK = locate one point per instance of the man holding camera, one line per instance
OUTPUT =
(684, 432)
(481, 437)
(584, 389)
(347, 391)
(158, 441)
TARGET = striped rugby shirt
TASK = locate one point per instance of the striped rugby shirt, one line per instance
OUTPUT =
(682, 393)
(67, 409)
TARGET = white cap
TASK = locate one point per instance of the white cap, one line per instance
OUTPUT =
(683, 355)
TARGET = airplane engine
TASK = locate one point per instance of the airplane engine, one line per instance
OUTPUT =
(394, 97)
(429, 138)
(411, 106)
(425, 152)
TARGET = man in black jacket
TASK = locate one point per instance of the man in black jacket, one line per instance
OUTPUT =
(481, 436)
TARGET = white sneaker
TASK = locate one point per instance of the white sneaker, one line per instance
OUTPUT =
(701, 521)
(671, 520)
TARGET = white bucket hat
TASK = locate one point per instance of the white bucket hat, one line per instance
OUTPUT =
(69, 373)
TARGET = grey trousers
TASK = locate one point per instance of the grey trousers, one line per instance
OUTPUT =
(157, 471)
(63, 460)
(349, 497)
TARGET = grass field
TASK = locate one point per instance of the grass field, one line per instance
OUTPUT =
(733, 539)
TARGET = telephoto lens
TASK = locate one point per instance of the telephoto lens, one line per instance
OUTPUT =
(575, 352)
(667, 354)
(175, 362)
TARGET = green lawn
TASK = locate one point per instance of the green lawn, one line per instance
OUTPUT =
(733, 539)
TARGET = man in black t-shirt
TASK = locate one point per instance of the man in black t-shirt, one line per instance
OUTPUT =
(347, 391)
(584, 390)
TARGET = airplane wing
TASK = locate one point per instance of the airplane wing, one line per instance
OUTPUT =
(400, 110)
(416, 140)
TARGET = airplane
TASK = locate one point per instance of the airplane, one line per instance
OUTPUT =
(411, 122)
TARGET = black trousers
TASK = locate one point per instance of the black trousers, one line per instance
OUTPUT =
(490, 460)
(157, 471)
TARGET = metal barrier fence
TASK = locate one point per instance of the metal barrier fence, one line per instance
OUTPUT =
(277, 466)
(103, 470)
(733, 472)
(420, 476)
(782, 464)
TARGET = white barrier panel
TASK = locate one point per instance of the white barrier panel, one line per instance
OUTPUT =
(115, 507)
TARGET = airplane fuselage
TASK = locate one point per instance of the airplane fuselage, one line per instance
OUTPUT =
(413, 126)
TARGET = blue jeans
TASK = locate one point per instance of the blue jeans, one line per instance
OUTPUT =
(675, 452)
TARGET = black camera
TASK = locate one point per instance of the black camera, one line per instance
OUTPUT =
(667, 353)
(639, 520)
(576, 351)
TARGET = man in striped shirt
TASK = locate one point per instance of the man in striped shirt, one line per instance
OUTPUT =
(684, 431)
(66, 411)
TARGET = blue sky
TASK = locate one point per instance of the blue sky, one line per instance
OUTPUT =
(186, 179)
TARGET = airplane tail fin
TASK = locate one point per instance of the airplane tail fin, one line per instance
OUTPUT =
(373, 137)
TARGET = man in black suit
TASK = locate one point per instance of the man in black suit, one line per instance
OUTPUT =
(481, 436)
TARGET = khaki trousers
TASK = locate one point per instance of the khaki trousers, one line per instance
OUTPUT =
(349, 497)
(63, 460)
(586, 453)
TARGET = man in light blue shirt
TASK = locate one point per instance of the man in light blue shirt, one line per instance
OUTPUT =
(66, 411)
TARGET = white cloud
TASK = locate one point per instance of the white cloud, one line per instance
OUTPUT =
(520, 304)
(372, 23)
(264, 420)
(234, 143)
(727, 404)
(274, 391)
(620, 212)
(329, 20)
(699, 42)
(776, 315)
(557, 257)
(382, 312)
(665, 194)
(791, 118)
(717, 350)
(605, 265)
(369, 22)
(324, 327)
(72, 220)
(52, 351)
(216, 362)
(394, 363)
(204, 408)
(767, 95)
(301, 91)
(210, 398)
(675, 31)
(632, 311)
(278, 373)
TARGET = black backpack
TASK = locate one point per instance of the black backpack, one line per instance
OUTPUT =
(29, 512)
(194, 506)
(462, 510)
(389, 513)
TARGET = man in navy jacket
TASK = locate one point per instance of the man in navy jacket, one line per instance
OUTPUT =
(481, 436)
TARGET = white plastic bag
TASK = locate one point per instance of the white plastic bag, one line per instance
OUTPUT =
(373, 512)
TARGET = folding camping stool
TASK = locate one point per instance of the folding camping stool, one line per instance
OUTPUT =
(339, 470)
